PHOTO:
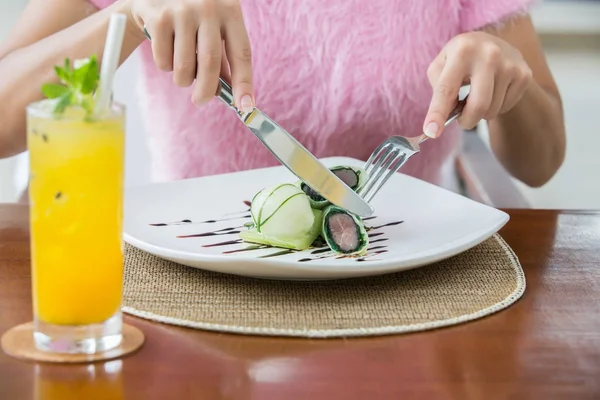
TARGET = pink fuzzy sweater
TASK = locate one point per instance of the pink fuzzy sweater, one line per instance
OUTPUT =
(339, 75)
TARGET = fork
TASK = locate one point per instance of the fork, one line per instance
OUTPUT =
(390, 155)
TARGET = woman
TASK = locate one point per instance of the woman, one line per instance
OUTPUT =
(340, 75)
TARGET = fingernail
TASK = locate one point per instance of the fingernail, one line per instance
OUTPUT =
(247, 104)
(432, 130)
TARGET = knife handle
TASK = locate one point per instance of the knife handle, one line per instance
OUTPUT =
(225, 94)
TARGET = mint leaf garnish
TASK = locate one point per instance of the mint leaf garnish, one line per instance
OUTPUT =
(79, 83)
(52, 90)
(86, 75)
(63, 102)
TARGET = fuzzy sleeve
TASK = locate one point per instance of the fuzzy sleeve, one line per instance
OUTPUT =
(475, 14)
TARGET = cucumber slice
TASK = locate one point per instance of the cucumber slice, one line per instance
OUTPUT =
(295, 242)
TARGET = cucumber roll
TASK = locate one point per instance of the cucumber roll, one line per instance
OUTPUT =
(353, 177)
(344, 233)
(282, 217)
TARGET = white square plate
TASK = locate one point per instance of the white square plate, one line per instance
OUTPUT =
(195, 222)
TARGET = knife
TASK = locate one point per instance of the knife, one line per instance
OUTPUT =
(295, 157)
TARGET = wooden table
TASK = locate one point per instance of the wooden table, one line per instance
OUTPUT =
(546, 346)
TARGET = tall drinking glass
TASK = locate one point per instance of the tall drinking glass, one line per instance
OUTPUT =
(76, 196)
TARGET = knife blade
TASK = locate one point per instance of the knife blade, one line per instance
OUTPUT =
(290, 153)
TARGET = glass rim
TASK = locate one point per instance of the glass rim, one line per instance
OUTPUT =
(35, 109)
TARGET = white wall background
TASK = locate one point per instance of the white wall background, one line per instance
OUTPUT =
(577, 185)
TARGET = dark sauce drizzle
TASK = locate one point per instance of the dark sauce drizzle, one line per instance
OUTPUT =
(320, 251)
(208, 221)
(219, 232)
(226, 243)
(249, 248)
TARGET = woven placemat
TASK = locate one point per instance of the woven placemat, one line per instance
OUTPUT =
(471, 285)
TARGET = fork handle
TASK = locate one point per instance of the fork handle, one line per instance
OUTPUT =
(455, 113)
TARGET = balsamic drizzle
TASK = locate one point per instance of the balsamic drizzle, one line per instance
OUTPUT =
(218, 232)
(190, 222)
(319, 250)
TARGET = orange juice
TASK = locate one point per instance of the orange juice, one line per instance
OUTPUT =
(76, 191)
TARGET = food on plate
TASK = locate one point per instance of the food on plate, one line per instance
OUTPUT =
(282, 217)
(294, 216)
(351, 176)
(343, 232)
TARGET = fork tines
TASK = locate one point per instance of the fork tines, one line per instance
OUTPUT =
(382, 164)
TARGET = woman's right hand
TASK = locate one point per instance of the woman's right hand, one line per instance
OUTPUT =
(200, 39)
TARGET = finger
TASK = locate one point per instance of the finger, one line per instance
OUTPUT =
(513, 95)
(515, 90)
(239, 54)
(225, 71)
(445, 94)
(509, 102)
(500, 87)
(480, 97)
(209, 61)
(435, 69)
(161, 32)
(184, 58)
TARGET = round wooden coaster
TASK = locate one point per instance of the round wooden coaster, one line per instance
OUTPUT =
(18, 342)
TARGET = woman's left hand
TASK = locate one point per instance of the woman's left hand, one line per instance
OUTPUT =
(496, 71)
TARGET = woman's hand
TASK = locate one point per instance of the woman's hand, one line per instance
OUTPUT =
(496, 71)
(200, 39)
